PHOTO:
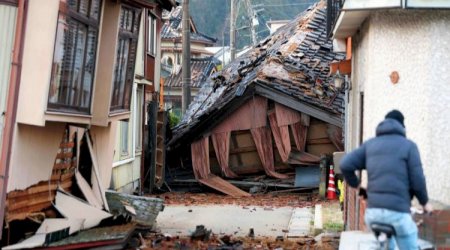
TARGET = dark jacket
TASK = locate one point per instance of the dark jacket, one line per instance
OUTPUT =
(393, 166)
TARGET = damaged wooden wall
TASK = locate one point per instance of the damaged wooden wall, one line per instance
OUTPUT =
(23, 203)
(244, 158)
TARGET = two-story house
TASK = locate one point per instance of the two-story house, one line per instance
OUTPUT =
(73, 72)
(132, 134)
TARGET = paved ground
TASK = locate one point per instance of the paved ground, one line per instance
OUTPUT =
(332, 217)
(233, 219)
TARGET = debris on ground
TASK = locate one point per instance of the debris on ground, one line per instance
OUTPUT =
(326, 242)
(268, 201)
(201, 233)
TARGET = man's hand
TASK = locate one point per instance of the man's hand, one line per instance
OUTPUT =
(428, 208)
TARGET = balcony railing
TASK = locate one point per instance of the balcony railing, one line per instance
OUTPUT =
(333, 9)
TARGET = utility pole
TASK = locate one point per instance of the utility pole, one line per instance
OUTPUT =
(233, 30)
(251, 16)
(186, 65)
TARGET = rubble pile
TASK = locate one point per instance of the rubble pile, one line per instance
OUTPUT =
(159, 241)
(264, 200)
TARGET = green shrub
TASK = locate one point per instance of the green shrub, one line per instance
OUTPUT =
(173, 119)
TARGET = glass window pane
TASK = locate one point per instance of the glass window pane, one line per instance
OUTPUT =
(67, 64)
(89, 67)
(78, 65)
(95, 9)
(73, 62)
(73, 4)
(84, 7)
(154, 36)
(123, 69)
(58, 58)
(115, 92)
(122, 18)
(138, 113)
(124, 137)
(125, 59)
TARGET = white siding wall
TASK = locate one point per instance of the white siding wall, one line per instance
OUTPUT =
(7, 31)
(416, 44)
(42, 18)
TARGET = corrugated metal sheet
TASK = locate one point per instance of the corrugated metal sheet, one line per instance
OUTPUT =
(7, 28)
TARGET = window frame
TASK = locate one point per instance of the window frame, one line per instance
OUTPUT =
(90, 23)
(127, 83)
(152, 34)
(124, 139)
(139, 116)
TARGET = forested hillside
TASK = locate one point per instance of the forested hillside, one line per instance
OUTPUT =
(212, 17)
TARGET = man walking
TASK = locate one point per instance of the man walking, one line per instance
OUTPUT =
(395, 175)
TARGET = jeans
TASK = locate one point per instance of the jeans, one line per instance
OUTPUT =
(405, 228)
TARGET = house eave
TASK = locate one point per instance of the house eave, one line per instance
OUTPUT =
(298, 105)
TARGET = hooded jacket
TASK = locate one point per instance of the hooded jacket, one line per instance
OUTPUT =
(393, 166)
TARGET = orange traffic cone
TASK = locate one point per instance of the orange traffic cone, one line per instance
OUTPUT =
(331, 191)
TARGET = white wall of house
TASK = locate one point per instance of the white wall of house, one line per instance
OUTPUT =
(33, 154)
(37, 61)
(128, 146)
(416, 44)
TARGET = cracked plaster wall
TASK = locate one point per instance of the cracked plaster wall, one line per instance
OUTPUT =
(416, 44)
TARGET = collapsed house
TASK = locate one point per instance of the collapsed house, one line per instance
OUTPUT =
(273, 110)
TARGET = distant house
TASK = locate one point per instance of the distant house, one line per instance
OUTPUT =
(397, 58)
(201, 69)
(274, 25)
(279, 89)
(171, 36)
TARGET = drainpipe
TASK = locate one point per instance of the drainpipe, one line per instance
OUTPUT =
(11, 104)
(186, 61)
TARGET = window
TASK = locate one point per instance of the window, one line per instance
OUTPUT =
(74, 56)
(139, 114)
(178, 59)
(125, 59)
(124, 151)
(151, 40)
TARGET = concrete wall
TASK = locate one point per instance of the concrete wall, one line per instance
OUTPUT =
(7, 31)
(416, 45)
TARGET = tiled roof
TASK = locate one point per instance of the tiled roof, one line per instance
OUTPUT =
(201, 69)
(172, 27)
(292, 64)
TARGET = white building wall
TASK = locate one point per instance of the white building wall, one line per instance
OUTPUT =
(416, 44)
(37, 61)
